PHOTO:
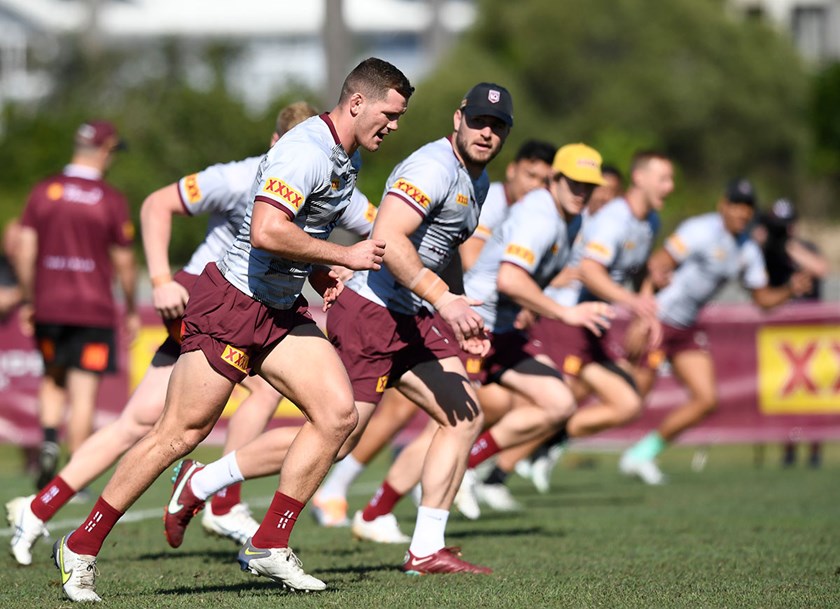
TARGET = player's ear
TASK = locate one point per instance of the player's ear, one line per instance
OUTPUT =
(357, 100)
(456, 119)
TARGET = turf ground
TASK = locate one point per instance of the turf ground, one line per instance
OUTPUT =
(734, 535)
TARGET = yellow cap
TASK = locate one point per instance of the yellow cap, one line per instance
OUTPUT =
(580, 163)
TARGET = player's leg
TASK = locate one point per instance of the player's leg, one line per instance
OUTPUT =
(329, 505)
(52, 398)
(639, 459)
(305, 368)
(82, 388)
(99, 452)
(618, 401)
(226, 515)
(195, 399)
(442, 389)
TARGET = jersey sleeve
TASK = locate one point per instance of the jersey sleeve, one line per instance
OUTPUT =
(602, 238)
(29, 217)
(754, 270)
(359, 215)
(292, 173)
(689, 237)
(528, 234)
(422, 183)
(217, 188)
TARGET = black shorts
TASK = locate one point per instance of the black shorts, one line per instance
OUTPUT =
(81, 347)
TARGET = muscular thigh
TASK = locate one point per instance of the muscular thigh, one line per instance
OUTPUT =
(696, 371)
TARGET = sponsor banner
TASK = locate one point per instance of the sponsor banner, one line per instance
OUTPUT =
(778, 378)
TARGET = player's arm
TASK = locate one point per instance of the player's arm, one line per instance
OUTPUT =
(272, 230)
(125, 268)
(169, 298)
(517, 284)
(660, 269)
(800, 283)
(24, 262)
(395, 222)
(597, 280)
(807, 259)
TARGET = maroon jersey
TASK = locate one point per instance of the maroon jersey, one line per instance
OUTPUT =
(78, 217)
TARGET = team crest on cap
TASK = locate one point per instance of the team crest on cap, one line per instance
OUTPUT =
(494, 96)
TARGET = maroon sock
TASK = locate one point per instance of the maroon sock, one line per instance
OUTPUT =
(277, 525)
(382, 503)
(223, 501)
(51, 498)
(484, 448)
(89, 537)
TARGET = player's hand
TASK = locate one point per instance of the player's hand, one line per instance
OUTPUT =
(342, 272)
(594, 316)
(524, 319)
(800, 283)
(26, 318)
(477, 345)
(644, 305)
(457, 312)
(365, 255)
(132, 326)
(170, 299)
(328, 284)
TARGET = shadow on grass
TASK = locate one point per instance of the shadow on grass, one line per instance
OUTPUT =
(579, 500)
(220, 555)
(265, 586)
(474, 533)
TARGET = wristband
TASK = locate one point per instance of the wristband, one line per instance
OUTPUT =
(159, 280)
(428, 286)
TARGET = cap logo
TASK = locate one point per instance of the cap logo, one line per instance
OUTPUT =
(588, 163)
(494, 96)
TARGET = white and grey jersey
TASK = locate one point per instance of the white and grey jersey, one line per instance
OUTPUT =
(307, 175)
(615, 238)
(359, 216)
(707, 257)
(534, 237)
(434, 183)
(222, 191)
(494, 211)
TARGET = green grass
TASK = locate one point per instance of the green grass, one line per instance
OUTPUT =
(734, 535)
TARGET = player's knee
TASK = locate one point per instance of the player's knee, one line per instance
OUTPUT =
(629, 408)
(707, 404)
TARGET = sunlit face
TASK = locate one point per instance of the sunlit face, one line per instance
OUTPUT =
(656, 181)
(736, 216)
(605, 192)
(479, 138)
(571, 196)
(377, 118)
(525, 175)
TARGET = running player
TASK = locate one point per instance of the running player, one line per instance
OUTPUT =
(613, 245)
(75, 238)
(696, 261)
(222, 191)
(246, 315)
(530, 169)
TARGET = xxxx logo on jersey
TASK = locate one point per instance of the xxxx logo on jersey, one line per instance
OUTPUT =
(278, 187)
(191, 188)
(462, 199)
(523, 253)
(235, 358)
(677, 245)
(412, 191)
(598, 249)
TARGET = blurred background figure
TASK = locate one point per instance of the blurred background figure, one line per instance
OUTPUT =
(76, 235)
(784, 254)
(612, 187)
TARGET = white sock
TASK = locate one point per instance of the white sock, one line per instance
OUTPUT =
(216, 476)
(428, 532)
(343, 473)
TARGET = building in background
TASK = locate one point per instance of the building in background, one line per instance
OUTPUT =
(282, 43)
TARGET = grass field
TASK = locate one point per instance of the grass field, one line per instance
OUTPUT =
(733, 535)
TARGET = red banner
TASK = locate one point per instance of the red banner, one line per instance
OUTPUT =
(778, 377)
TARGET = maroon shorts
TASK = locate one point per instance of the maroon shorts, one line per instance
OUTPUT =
(234, 331)
(170, 349)
(569, 347)
(507, 352)
(675, 341)
(81, 347)
(378, 346)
